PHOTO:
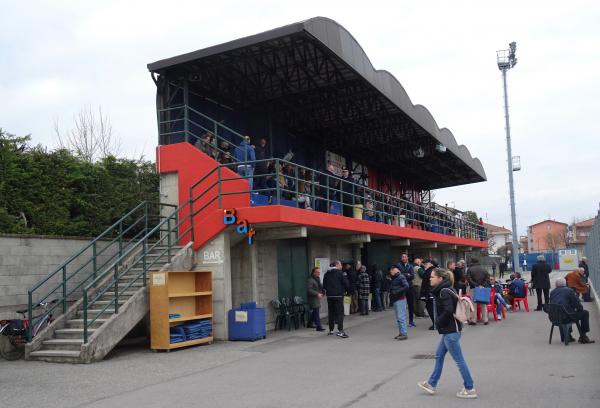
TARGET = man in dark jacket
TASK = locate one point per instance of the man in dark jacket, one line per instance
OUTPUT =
(429, 265)
(261, 152)
(346, 187)
(376, 287)
(314, 291)
(408, 270)
(540, 279)
(477, 274)
(335, 285)
(565, 296)
(352, 276)
(398, 290)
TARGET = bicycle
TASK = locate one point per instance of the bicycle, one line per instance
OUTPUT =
(13, 333)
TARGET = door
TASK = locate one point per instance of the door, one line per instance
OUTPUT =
(292, 268)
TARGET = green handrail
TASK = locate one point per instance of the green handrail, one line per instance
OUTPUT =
(83, 262)
(134, 258)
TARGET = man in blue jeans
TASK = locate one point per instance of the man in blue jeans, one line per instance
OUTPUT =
(398, 289)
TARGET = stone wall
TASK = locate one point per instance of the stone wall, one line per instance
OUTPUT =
(26, 260)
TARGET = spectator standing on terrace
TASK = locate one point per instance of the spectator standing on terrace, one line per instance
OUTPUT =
(450, 329)
(407, 269)
(416, 288)
(586, 269)
(261, 153)
(205, 144)
(398, 290)
(314, 290)
(346, 187)
(364, 290)
(540, 279)
(335, 285)
(245, 153)
(567, 297)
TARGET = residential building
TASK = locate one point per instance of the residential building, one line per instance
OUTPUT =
(578, 234)
(547, 236)
(497, 237)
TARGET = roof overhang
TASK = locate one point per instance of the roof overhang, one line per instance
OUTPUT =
(316, 78)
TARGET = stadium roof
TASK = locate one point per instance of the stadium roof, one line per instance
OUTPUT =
(315, 77)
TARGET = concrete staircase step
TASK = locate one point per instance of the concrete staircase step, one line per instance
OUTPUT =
(78, 323)
(92, 313)
(109, 302)
(62, 344)
(71, 333)
(56, 356)
(127, 293)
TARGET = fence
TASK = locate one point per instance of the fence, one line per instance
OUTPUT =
(592, 251)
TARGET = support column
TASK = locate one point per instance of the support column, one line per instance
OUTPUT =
(215, 256)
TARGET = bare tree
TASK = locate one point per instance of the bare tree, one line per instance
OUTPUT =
(91, 137)
(555, 240)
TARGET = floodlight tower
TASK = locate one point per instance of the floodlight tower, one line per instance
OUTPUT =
(506, 60)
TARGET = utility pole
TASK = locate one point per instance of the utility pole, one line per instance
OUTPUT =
(506, 60)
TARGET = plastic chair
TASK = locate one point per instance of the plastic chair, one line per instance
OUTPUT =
(289, 314)
(279, 314)
(300, 310)
(558, 316)
(517, 301)
(490, 307)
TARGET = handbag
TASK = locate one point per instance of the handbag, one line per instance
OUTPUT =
(482, 295)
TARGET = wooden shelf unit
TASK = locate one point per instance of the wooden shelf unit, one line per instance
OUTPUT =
(188, 294)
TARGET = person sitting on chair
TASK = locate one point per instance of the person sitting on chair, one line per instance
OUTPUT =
(575, 281)
(565, 296)
(516, 289)
(498, 298)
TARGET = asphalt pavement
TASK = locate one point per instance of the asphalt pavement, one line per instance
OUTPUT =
(511, 362)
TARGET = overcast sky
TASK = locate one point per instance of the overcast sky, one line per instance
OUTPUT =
(56, 57)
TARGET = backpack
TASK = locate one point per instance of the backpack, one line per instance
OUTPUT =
(465, 309)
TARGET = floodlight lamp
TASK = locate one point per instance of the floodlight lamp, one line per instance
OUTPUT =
(440, 148)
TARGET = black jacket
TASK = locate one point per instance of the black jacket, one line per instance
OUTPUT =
(352, 276)
(540, 275)
(566, 297)
(445, 305)
(478, 276)
(398, 288)
(335, 283)
(377, 279)
(458, 274)
(426, 284)
(407, 270)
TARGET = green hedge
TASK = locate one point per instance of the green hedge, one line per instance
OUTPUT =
(55, 193)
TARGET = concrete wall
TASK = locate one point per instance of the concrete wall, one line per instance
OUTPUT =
(26, 260)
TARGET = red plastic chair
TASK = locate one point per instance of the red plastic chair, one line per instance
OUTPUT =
(517, 301)
(490, 307)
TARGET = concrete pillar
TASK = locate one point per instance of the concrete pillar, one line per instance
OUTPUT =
(215, 256)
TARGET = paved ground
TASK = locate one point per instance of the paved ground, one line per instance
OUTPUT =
(511, 362)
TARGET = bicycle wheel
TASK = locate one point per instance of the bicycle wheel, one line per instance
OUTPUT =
(9, 350)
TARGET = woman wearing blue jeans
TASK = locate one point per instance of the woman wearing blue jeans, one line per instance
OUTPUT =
(445, 300)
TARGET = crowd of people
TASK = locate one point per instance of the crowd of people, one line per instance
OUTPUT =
(329, 191)
(421, 289)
